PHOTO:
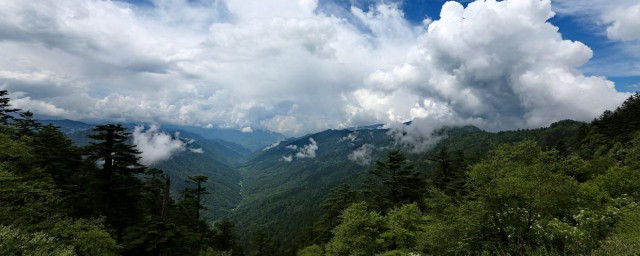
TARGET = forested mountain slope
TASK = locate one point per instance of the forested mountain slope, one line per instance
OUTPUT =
(216, 159)
(570, 189)
(282, 196)
(283, 186)
(252, 139)
(60, 199)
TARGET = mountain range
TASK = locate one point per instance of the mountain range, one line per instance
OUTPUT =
(262, 181)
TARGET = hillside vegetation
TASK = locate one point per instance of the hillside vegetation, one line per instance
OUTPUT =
(568, 189)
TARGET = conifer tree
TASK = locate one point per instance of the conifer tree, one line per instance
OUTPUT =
(261, 244)
(189, 209)
(393, 182)
(198, 192)
(118, 189)
(225, 238)
(449, 173)
(5, 108)
(338, 199)
(110, 147)
(26, 125)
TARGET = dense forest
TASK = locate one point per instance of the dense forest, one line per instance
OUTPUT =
(572, 188)
(59, 199)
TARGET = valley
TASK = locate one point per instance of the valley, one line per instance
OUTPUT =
(279, 187)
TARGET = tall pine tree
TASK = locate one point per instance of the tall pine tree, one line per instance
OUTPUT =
(393, 182)
(118, 188)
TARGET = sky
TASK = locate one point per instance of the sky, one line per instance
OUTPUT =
(302, 66)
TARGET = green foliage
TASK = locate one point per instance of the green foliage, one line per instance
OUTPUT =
(14, 241)
(393, 182)
(450, 171)
(625, 239)
(611, 127)
(522, 200)
(54, 201)
(111, 148)
(359, 233)
(339, 198)
(213, 252)
(405, 228)
(5, 109)
(261, 244)
(312, 250)
(87, 237)
(285, 197)
(218, 162)
(570, 189)
(363, 232)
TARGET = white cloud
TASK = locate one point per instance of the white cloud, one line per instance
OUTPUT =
(38, 106)
(304, 151)
(246, 129)
(273, 145)
(156, 145)
(624, 23)
(292, 147)
(362, 155)
(196, 150)
(288, 67)
(614, 19)
(351, 137)
(309, 150)
(618, 17)
(497, 65)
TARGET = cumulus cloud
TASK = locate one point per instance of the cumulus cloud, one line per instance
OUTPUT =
(156, 145)
(362, 155)
(496, 65)
(624, 23)
(293, 68)
(287, 158)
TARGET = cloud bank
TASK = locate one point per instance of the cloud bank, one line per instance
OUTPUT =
(293, 68)
(156, 145)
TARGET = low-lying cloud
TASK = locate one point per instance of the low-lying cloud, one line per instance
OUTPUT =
(272, 145)
(157, 145)
(309, 150)
(197, 150)
(302, 152)
(362, 155)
